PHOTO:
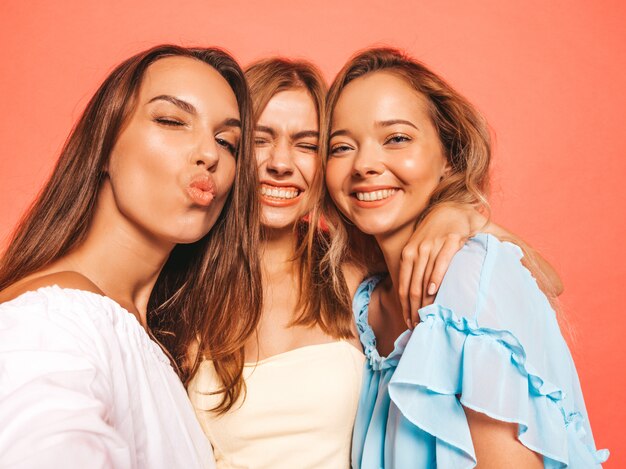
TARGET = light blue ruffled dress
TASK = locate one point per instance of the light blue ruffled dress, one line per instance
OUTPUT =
(492, 338)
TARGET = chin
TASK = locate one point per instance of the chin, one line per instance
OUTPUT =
(376, 227)
(187, 238)
(271, 223)
(275, 220)
(192, 233)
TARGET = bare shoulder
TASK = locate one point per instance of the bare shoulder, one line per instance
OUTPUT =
(66, 279)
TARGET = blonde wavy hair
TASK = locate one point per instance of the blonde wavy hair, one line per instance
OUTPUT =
(462, 130)
(465, 138)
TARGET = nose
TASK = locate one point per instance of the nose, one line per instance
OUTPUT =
(207, 153)
(280, 162)
(367, 162)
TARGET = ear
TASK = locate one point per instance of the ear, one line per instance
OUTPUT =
(446, 170)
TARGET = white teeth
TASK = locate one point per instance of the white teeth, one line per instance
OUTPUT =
(279, 193)
(375, 195)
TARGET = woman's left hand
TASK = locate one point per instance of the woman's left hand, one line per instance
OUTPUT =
(427, 255)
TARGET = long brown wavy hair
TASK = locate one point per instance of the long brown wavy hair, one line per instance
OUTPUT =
(318, 303)
(204, 284)
(463, 132)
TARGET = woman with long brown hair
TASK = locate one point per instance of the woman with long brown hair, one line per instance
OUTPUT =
(282, 412)
(485, 377)
(139, 204)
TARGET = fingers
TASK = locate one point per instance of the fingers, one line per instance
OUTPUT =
(417, 279)
(427, 286)
(404, 280)
(422, 269)
(451, 246)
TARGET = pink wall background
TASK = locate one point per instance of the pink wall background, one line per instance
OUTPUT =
(549, 76)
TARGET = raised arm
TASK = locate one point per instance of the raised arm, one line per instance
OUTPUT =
(549, 279)
(435, 241)
(55, 398)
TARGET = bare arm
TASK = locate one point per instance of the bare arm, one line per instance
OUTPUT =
(496, 444)
(427, 255)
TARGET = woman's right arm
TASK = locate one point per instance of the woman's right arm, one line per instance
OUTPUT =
(496, 444)
(55, 398)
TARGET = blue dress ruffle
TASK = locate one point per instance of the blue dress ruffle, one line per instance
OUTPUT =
(491, 343)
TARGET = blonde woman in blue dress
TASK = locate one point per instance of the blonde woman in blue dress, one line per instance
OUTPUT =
(485, 377)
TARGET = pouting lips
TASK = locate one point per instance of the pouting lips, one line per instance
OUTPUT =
(375, 195)
(201, 190)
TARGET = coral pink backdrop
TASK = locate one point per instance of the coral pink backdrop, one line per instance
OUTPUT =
(549, 76)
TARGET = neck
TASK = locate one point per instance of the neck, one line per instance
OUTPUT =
(121, 259)
(279, 247)
(391, 246)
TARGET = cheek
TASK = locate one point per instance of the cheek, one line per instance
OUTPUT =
(414, 169)
(308, 167)
(337, 172)
(423, 169)
(144, 171)
(139, 171)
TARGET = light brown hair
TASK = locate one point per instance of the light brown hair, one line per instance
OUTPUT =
(466, 143)
(463, 133)
(200, 288)
(318, 303)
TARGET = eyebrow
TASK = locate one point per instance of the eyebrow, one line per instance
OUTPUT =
(395, 121)
(232, 122)
(190, 108)
(184, 105)
(296, 136)
(341, 132)
(387, 123)
(265, 129)
(305, 134)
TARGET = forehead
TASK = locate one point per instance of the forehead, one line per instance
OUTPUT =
(188, 79)
(382, 95)
(293, 105)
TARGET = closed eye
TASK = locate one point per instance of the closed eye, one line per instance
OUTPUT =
(310, 147)
(169, 122)
(261, 141)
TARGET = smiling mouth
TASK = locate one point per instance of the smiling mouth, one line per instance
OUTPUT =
(280, 193)
(374, 196)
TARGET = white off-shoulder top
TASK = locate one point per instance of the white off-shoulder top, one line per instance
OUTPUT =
(82, 385)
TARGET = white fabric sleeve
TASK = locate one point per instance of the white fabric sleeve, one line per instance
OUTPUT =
(55, 392)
